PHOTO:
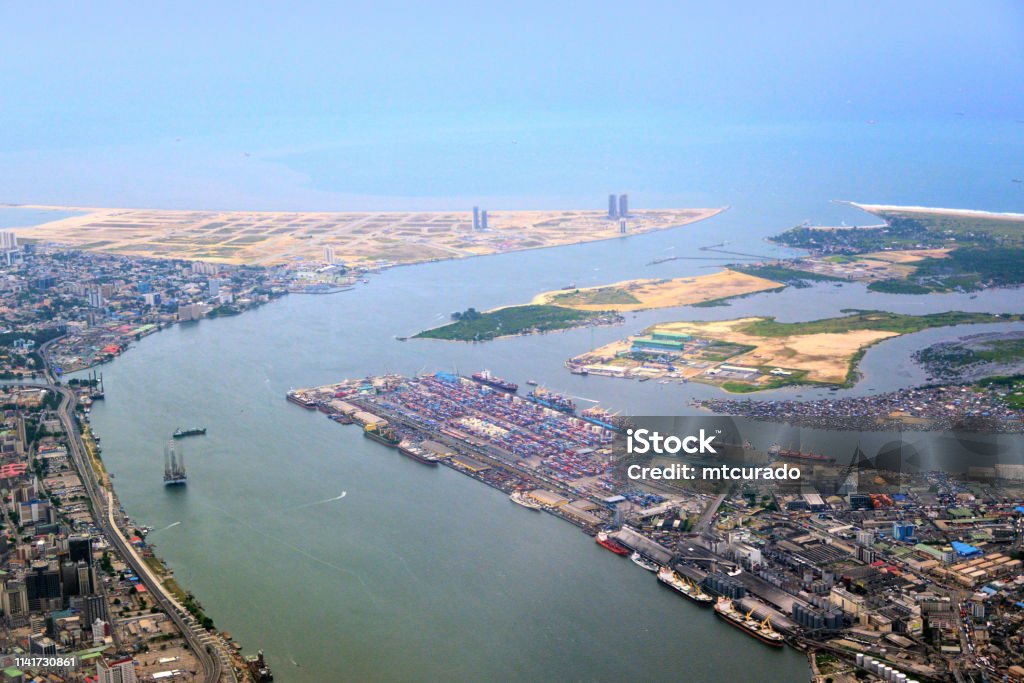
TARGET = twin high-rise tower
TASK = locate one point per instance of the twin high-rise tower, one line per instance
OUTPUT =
(479, 218)
(618, 207)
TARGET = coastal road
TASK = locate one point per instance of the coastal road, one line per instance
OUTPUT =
(212, 661)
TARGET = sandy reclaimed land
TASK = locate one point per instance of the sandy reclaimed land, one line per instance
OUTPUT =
(370, 239)
(906, 255)
(825, 357)
(966, 213)
(661, 293)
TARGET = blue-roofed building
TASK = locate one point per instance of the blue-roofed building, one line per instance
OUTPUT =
(964, 550)
(1019, 508)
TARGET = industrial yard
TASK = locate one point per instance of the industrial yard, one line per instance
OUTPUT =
(751, 354)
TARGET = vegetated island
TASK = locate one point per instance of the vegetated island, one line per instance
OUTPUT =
(601, 305)
(357, 239)
(758, 353)
(472, 325)
(918, 250)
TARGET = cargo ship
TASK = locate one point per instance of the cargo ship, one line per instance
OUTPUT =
(776, 452)
(684, 587)
(301, 401)
(180, 433)
(641, 561)
(762, 630)
(381, 433)
(485, 377)
(603, 418)
(605, 542)
(417, 453)
(550, 399)
(519, 498)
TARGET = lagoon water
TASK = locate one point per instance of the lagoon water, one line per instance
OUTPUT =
(423, 574)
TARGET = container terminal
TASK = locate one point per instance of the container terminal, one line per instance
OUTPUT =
(541, 453)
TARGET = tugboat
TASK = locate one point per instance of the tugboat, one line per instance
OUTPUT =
(180, 433)
(609, 544)
(684, 587)
(762, 630)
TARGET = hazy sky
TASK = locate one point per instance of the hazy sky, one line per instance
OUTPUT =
(172, 94)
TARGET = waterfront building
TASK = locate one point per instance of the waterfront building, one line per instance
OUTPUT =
(483, 219)
(476, 217)
(213, 285)
(613, 209)
(623, 205)
(328, 254)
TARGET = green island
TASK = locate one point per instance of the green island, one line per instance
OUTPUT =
(472, 325)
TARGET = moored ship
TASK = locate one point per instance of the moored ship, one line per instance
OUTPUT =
(417, 452)
(519, 498)
(776, 452)
(180, 433)
(382, 433)
(300, 400)
(259, 668)
(605, 542)
(603, 418)
(641, 561)
(684, 587)
(485, 377)
(762, 630)
(550, 399)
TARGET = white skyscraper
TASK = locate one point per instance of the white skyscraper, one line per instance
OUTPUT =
(328, 254)
(8, 240)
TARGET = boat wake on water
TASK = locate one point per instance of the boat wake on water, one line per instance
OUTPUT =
(316, 502)
(169, 526)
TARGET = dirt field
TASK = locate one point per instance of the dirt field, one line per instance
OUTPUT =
(268, 238)
(906, 255)
(636, 295)
(823, 357)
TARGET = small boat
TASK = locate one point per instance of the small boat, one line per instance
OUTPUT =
(532, 382)
(180, 433)
(519, 498)
(641, 561)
